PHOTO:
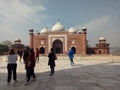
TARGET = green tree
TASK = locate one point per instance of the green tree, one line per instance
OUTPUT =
(3, 49)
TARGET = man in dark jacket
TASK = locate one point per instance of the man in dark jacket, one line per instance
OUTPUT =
(25, 57)
(51, 62)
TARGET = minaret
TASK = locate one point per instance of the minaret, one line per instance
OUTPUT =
(84, 29)
(31, 37)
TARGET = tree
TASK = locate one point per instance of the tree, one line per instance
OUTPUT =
(3, 49)
(7, 43)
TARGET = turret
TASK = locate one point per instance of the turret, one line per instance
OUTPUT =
(31, 37)
(84, 29)
(102, 40)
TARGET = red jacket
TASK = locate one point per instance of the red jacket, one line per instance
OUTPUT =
(37, 53)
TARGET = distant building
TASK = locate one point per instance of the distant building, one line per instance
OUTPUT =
(62, 40)
(101, 48)
(17, 46)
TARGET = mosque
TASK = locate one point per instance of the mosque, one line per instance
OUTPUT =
(62, 40)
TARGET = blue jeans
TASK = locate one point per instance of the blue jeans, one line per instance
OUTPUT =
(71, 61)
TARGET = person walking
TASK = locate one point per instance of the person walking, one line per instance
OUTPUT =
(30, 65)
(37, 54)
(20, 53)
(25, 57)
(51, 62)
(71, 56)
(12, 66)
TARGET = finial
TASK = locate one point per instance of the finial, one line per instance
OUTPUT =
(45, 25)
(68, 27)
(58, 19)
(71, 25)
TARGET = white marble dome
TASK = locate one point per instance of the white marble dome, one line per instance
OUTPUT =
(30, 28)
(84, 28)
(44, 30)
(58, 27)
(17, 40)
(102, 38)
(72, 30)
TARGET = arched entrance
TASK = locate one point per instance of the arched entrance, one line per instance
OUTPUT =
(42, 50)
(58, 46)
(99, 51)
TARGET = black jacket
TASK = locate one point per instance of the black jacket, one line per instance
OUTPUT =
(51, 60)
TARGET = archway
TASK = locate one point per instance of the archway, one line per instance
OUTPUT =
(58, 46)
(100, 52)
(42, 50)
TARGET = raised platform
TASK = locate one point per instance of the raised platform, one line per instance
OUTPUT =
(88, 73)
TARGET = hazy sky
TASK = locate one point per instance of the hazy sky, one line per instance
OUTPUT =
(100, 17)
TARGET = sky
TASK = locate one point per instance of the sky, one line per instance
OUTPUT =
(100, 17)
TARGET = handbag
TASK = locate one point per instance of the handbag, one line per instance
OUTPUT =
(55, 57)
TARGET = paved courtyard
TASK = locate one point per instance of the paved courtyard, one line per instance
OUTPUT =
(87, 74)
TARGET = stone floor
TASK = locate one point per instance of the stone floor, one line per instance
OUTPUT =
(84, 75)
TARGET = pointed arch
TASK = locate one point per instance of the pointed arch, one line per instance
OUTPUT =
(42, 50)
(58, 46)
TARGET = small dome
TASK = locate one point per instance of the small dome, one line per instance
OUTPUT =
(84, 28)
(17, 40)
(58, 27)
(44, 30)
(30, 28)
(79, 31)
(72, 30)
(102, 38)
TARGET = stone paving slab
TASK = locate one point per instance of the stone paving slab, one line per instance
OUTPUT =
(64, 88)
(85, 75)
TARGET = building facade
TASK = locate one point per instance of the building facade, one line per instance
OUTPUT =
(60, 39)
(101, 47)
(17, 46)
